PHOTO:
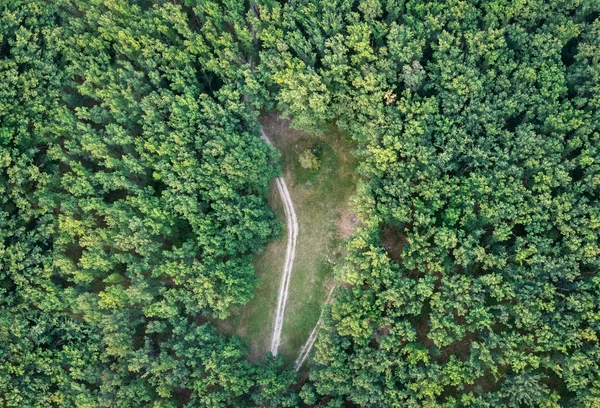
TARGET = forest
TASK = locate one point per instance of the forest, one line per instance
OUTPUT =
(134, 187)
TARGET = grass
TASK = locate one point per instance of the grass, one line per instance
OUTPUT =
(321, 200)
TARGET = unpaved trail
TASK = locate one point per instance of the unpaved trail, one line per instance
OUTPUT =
(290, 253)
(305, 350)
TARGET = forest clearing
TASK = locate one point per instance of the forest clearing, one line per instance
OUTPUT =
(321, 200)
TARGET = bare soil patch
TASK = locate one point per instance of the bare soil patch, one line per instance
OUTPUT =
(274, 125)
(392, 240)
(347, 224)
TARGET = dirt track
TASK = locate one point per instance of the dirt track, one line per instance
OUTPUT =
(305, 350)
(290, 253)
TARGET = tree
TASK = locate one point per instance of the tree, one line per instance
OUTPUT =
(476, 273)
(309, 160)
(134, 186)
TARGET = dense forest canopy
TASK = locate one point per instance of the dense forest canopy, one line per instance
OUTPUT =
(474, 281)
(133, 193)
(133, 187)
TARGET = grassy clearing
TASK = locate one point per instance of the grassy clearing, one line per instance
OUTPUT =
(321, 201)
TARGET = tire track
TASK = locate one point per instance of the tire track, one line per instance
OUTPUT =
(305, 350)
(290, 253)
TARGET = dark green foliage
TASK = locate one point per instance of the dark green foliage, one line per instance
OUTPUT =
(133, 187)
(133, 192)
(478, 125)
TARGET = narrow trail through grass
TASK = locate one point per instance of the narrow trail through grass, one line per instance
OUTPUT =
(290, 253)
(321, 202)
(306, 349)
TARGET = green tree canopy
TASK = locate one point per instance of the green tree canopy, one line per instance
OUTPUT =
(133, 190)
(474, 281)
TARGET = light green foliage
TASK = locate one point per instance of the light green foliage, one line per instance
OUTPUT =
(413, 75)
(309, 160)
(478, 127)
(133, 186)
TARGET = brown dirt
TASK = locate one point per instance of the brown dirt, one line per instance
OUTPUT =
(422, 328)
(223, 326)
(461, 348)
(347, 223)
(393, 239)
(486, 383)
(275, 125)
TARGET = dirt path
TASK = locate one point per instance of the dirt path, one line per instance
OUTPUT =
(305, 350)
(290, 253)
